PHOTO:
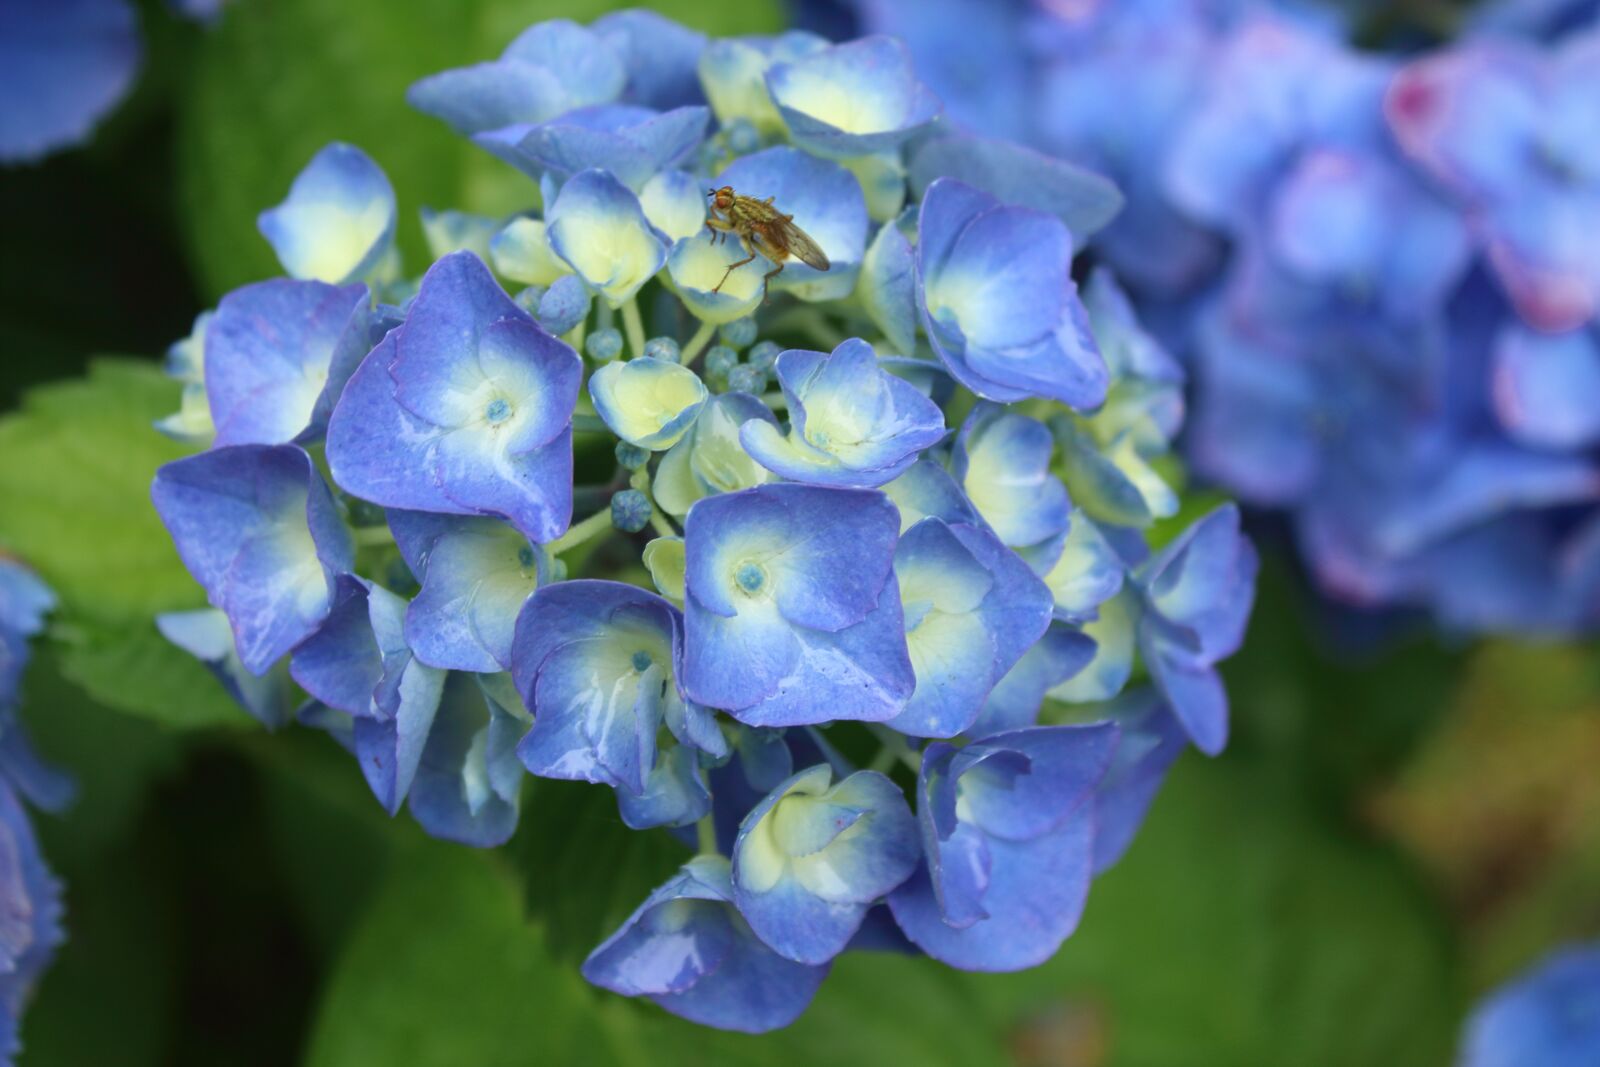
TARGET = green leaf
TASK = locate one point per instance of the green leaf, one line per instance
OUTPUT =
(76, 462)
(132, 668)
(583, 871)
(1242, 928)
(444, 971)
(277, 81)
(116, 761)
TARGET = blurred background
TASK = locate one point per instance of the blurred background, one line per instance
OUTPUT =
(1398, 825)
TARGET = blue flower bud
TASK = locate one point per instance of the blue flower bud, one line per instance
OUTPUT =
(763, 355)
(747, 379)
(738, 333)
(662, 348)
(632, 457)
(603, 346)
(743, 137)
(720, 361)
(564, 304)
(630, 511)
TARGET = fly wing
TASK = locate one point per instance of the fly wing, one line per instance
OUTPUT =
(802, 247)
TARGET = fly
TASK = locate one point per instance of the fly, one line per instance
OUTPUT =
(762, 230)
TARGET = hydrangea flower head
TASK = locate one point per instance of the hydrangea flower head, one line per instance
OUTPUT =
(655, 401)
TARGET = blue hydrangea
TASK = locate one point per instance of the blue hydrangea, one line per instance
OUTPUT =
(434, 508)
(30, 896)
(1370, 260)
(1546, 1017)
(63, 67)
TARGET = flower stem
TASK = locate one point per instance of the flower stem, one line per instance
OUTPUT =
(574, 337)
(659, 523)
(372, 536)
(590, 528)
(706, 835)
(775, 401)
(895, 747)
(634, 326)
(698, 342)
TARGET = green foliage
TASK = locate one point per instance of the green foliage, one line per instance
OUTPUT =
(443, 970)
(583, 871)
(279, 80)
(76, 462)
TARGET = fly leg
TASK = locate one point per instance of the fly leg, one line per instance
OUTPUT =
(766, 279)
(735, 266)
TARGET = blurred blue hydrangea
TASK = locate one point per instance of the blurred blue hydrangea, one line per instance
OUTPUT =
(1548, 1017)
(30, 897)
(884, 673)
(64, 67)
(1378, 265)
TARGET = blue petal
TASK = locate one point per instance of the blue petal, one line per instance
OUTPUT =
(660, 57)
(24, 599)
(462, 791)
(810, 859)
(206, 636)
(853, 423)
(337, 224)
(853, 99)
(674, 794)
(962, 642)
(1080, 198)
(998, 301)
(629, 142)
(1543, 1018)
(594, 662)
(476, 574)
(584, 63)
(1150, 740)
(342, 663)
(63, 67)
(465, 409)
(686, 949)
(489, 96)
(926, 489)
(258, 529)
(675, 203)
(1543, 385)
(1086, 574)
(826, 202)
(791, 546)
(1018, 800)
(277, 354)
(1002, 460)
(390, 749)
(1194, 690)
(551, 67)
(31, 931)
(647, 402)
(1204, 581)
(1114, 633)
(597, 226)
(888, 286)
(1034, 896)
(1054, 659)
